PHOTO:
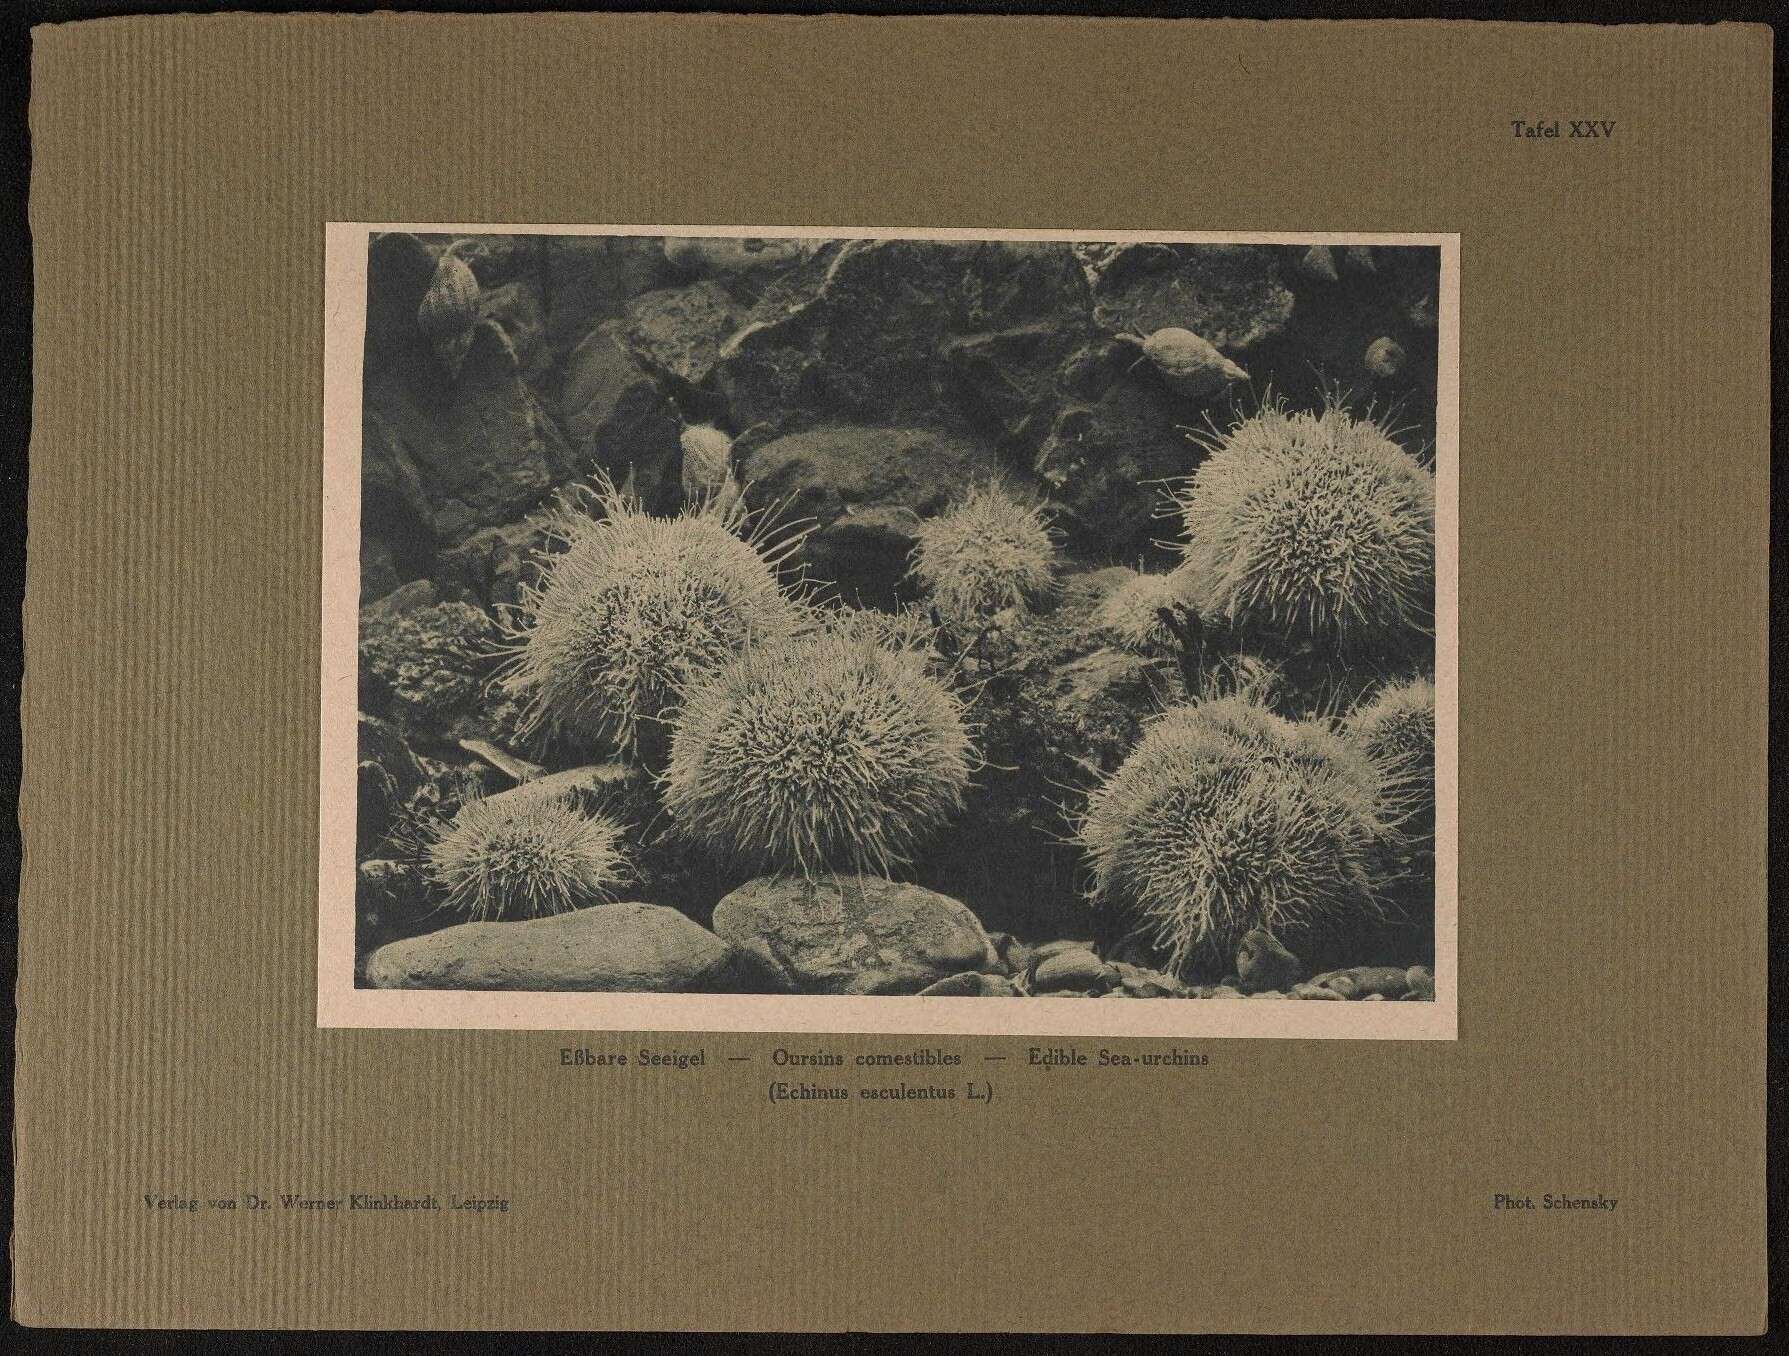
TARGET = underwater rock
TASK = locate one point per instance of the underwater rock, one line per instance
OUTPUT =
(518, 308)
(864, 489)
(494, 562)
(1141, 982)
(1319, 264)
(1073, 969)
(1008, 384)
(1361, 980)
(678, 331)
(727, 256)
(970, 984)
(607, 948)
(1015, 956)
(1056, 948)
(381, 743)
(1421, 982)
(1103, 462)
(583, 786)
(1232, 295)
(518, 770)
(964, 337)
(848, 934)
(1138, 949)
(618, 419)
(1316, 991)
(406, 598)
(587, 280)
(434, 663)
(446, 455)
(1262, 963)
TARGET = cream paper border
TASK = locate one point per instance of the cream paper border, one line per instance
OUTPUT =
(340, 1004)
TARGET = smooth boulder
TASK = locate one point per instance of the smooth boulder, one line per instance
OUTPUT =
(608, 948)
(1072, 969)
(844, 934)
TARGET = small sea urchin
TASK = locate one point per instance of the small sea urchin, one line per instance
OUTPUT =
(1131, 614)
(630, 609)
(908, 630)
(825, 751)
(1226, 818)
(1312, 526)
(1396, 730)
(501, 858)
(985, 553)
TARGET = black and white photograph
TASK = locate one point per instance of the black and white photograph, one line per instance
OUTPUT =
(816, 630)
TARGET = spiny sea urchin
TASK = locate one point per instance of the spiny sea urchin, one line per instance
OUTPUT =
(1131, 614)
(825, 751)
(504, 858)
(908, 630)
(985, 553)
(1227, 817)
(1312, 526)
(1396, 730)
(630, 609)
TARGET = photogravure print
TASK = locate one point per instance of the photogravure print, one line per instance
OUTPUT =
(828, 630)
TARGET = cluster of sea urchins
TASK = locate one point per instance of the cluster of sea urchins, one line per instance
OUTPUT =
(1226, 818)
(630, 610)
(826, 751)
(803, 739)
(1312, 527)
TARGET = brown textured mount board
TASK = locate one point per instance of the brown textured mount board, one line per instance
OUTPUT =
(1613, 500)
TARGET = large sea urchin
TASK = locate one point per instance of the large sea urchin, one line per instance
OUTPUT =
(1313, 526)
(630, 609)
(1226, 818)
(825, 751)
